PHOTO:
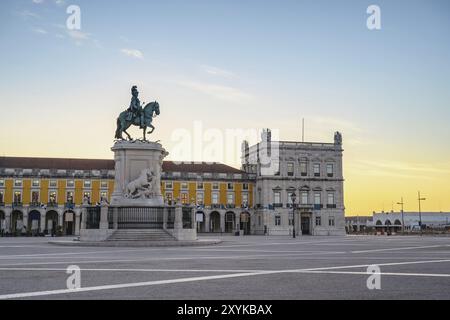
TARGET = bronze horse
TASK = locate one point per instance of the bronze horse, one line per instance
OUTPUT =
(147, 112)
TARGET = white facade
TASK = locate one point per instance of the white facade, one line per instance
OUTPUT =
(411, 220)
(313, 171)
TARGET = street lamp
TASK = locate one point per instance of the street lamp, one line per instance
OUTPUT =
(420, 213)
(403, 221)
(293, 196)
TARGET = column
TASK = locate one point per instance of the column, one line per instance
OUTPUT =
(25, 220)
(222, 221)
(193, 218)
(207, 221)
(115, 218)
(104, 216)
(178, 224)
(165, 214)
(60, 218)
(77, 222)
(43, 225)
(83, 217)
(8, 221)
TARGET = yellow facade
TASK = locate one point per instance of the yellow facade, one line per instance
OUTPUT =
(61, 194)
(8, 191)
(96, 190)
(43, 194)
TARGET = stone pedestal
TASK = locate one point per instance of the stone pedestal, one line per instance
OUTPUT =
(138, 167)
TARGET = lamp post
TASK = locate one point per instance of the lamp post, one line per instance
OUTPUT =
(293, 196)
(420, 213)
(403, 221)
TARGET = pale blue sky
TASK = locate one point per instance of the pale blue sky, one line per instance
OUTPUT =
(230, 64)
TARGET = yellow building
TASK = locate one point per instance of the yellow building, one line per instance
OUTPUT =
(45, 195)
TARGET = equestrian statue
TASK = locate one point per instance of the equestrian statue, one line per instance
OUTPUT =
(137, 115)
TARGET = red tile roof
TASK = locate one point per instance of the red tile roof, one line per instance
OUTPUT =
(101, 164)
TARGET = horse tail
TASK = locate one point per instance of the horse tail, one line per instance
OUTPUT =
(118, 129)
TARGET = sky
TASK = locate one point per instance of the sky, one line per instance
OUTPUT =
(222, 70)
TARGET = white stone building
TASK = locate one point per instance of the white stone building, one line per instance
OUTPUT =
(313, 171)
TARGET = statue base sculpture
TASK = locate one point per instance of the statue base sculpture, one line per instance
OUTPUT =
(138, 167)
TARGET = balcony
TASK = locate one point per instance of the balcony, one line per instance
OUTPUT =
(331, 206)
(318, 206)
(330, 175)
(17, 204)
(2, 204)
(52, 204)
(35, 204)
(278, 205)
(69, 205)
(231, 206)
(216, 206)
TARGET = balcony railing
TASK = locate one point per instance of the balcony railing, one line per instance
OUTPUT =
(277, 205)
(17, 204)
(52, 204)
(318, 206)
(35, 204)
(331, 206)
(231, 206)
(69, 205)
(2, 204)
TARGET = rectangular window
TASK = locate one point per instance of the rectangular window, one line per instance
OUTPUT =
(52, 197)
(316, 170)
(230, 186)
(330, 198)
(330, 170)
(303, 169)
(169, 197)
(289, 199)
(17, 183)
(331, 221)
(35, 183)
(200, 185)
(17, 197)
(34, 197)
(87, 195)
(69, 197)
(184, 198)
(277, 198)
(304, 197)
(290, 169)
(52, 184)
(230, 198)
(184, 185)
(200, 198)
(2, 182)
(104, 184)
(277, 220)
(245, 199)
(318, 221)
(70, 183)
(104, 195)
(2, 198)
(169, 185)
(317, 198)
(215, 198)
(245, 186)
(87, 184)
(215, 186)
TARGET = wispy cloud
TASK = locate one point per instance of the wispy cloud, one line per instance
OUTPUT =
(26, 14)
(217, 91)
(218, 71)
(398, 166)
(134, 53)
(38, 1)
(39, 30)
